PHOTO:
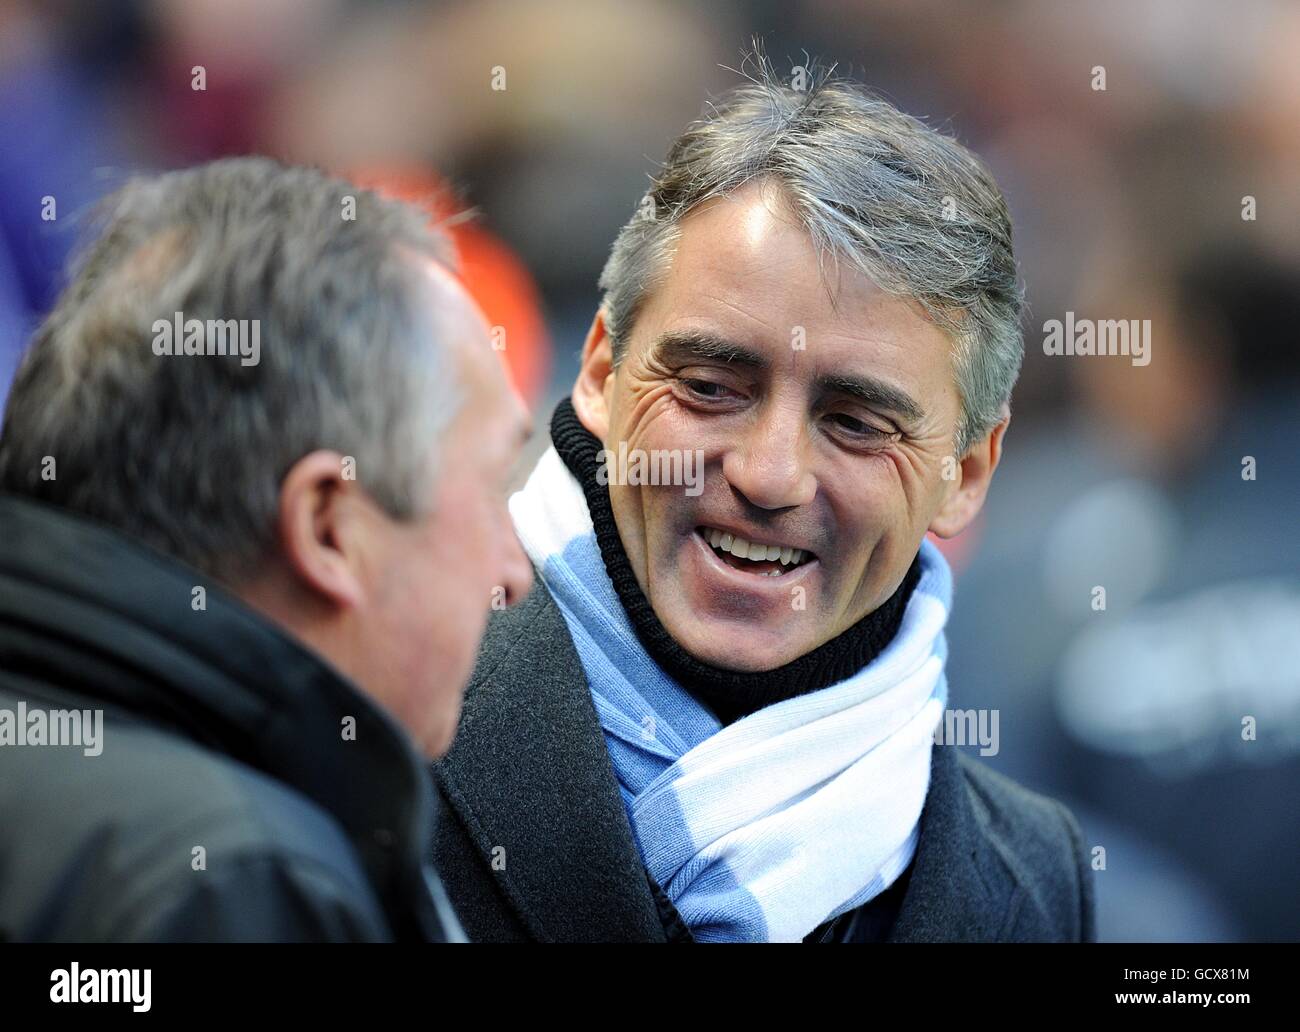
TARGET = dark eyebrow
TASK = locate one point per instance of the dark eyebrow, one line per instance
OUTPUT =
(875, 393)
(682, 348)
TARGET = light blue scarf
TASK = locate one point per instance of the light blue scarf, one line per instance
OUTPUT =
(799, 812)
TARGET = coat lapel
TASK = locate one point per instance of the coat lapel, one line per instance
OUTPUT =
(959, 890)
(531, 779)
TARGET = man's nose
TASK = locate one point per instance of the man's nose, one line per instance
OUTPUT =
(769, 464)
(518, 574)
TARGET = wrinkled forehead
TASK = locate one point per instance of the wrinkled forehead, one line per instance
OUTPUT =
(748, 258)
(745, 269)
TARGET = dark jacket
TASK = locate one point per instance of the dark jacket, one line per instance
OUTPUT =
(534, 843)
(226, 803)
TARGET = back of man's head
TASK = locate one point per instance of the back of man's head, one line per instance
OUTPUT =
(273, 376)
(306, 282)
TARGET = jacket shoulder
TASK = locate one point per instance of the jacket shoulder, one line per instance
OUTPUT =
(1041, 845)
(159, 838)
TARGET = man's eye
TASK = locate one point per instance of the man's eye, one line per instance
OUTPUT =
(858, 429)
(706, 389)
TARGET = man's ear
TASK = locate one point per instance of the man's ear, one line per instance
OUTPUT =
(322, 528)
(967, 491)
(592, 389)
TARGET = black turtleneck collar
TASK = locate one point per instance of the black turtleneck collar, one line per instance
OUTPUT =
(730, 694)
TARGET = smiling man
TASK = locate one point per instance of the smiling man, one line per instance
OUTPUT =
(714, 718)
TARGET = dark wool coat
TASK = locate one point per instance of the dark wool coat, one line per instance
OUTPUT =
(534, 844)
(218, 732)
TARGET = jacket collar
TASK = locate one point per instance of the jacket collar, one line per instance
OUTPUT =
(958, 890)
(531, 779)
(529, 773)
(89, 612)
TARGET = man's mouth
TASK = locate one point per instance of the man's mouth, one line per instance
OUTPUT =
(766, 559)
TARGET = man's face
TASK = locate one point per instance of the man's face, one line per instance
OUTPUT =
(824, 419)
(435, 578)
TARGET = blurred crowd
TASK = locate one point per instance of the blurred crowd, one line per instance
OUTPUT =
(1172, 194)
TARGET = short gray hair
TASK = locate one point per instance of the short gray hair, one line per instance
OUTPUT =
(188, 454)
(908, 206)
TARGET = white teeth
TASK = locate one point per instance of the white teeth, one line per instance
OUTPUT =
(742, 549)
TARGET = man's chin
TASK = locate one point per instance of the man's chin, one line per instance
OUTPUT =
(734, 645)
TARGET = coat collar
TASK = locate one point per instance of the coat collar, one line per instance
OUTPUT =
(531, 779)
(958, 889)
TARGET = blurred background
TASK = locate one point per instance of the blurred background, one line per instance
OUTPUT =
(1173, 195)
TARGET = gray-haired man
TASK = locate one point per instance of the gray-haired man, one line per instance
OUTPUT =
(717, 716)
(254, 469)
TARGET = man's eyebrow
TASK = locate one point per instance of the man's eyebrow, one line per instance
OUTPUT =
(876, 393)
(685, 347)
